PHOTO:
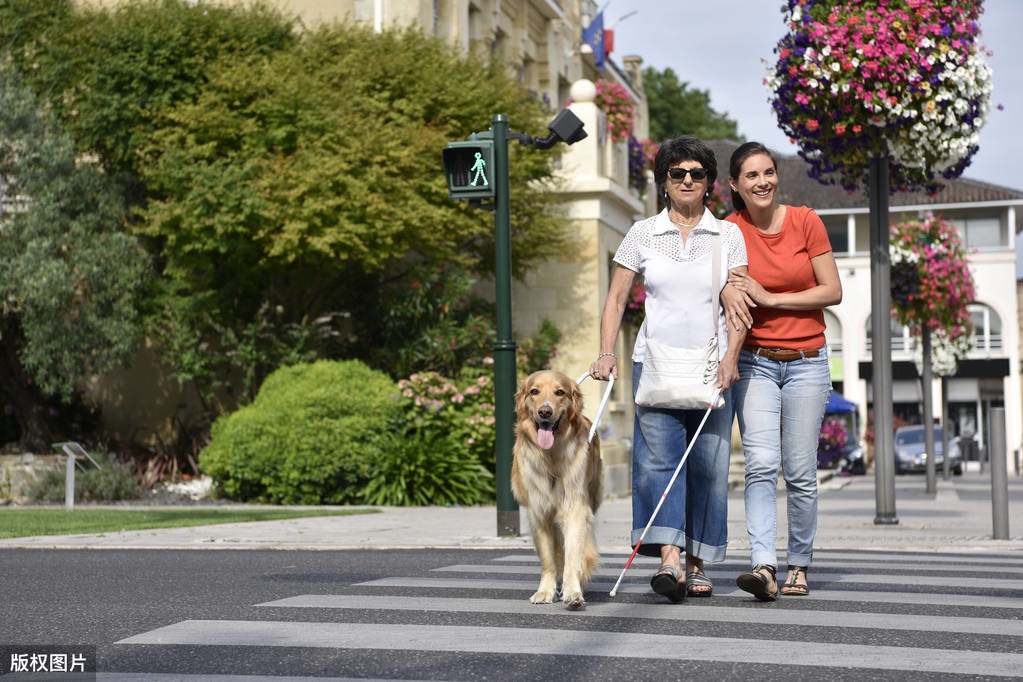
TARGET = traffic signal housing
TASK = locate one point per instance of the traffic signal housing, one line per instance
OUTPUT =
(469, 169)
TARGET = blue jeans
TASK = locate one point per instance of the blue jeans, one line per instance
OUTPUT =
(695, 513)
(780, 407)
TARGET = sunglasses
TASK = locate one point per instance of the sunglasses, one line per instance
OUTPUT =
(680, 173)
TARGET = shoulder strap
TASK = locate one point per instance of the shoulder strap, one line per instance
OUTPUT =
(715, 282)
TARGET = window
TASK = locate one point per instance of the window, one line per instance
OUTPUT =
(838, 232)
(987, 328)
(902, 342)
(980, 232)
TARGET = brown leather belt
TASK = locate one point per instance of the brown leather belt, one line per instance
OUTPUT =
(781, 354)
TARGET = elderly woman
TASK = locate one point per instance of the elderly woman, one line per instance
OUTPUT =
(673, 252)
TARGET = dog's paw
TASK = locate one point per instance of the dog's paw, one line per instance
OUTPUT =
(543, 597)
(573, 600)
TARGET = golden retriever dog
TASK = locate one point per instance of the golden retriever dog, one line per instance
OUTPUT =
(557, 476)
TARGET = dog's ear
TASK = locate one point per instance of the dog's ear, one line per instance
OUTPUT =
(577, 404)
(520, 397)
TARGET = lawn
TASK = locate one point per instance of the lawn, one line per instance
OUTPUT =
(19, 523)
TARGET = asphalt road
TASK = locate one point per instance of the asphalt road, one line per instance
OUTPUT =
(464, 615)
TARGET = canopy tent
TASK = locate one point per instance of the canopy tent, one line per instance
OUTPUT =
(837, 403)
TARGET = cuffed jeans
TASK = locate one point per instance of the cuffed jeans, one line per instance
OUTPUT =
(780, 406)
(695, 513)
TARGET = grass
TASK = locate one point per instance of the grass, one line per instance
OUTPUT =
(19, 523)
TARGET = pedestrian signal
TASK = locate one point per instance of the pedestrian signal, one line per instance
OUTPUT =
(469, 168)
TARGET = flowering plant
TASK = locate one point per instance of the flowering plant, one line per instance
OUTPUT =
(931, 279)
(829, 445)
(720, 200)
(641, 158)
(613, 99)
(906, 78)
(461, 409)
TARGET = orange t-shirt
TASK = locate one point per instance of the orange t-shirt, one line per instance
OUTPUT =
(781, 263)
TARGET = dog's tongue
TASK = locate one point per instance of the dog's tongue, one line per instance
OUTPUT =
(545, 438)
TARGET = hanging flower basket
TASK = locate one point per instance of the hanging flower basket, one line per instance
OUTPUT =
(613, 99)
(906, 78)
(930, 252)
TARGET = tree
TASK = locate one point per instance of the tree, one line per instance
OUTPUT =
(678, 109)
(109, 74)
(311, 180)
(69, 274)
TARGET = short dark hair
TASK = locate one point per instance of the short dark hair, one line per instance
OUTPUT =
(685, 148)
(739, 156)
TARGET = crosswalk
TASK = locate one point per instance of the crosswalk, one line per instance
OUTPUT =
(868, 614)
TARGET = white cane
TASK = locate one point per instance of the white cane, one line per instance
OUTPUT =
(664, 496)
(603, 402)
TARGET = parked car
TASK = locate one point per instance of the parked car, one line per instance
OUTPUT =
(910, 454)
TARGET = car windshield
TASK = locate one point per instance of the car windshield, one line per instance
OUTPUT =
(915, 435)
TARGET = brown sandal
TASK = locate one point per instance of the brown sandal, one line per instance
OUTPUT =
(756, 584)
(793, 589)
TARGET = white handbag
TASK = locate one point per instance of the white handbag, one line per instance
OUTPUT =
(684, 378)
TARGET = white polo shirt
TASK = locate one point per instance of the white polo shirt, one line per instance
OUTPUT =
(677, 278)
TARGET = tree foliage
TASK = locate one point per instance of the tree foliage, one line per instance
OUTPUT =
(283, 181)
(678, 109)
(312, 181)
(111, 72)
(69, 274)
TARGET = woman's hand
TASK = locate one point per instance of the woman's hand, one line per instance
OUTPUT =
(749, 286)
(602, 368)
(728, 373)
(737, 307)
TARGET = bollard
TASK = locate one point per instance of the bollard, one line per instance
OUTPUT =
(69, 483)
(999, 475)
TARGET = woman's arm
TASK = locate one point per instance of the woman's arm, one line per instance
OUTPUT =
(737, 304)
(611, 320)
(728, 369)
(827, 292)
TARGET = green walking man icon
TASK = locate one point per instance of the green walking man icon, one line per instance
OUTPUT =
(480, 167)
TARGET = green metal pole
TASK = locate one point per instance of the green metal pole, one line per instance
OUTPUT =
(504, 348)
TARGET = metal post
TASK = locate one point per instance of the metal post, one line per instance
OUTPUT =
(69, 483)
(881, 361)
(946, 465)
(932, 486)
(504, 348)
(999, 474)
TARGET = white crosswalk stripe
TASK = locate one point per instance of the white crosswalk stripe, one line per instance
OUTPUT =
(894, 612)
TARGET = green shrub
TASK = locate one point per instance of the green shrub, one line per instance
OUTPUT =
(309, 437)
(429, 467)
(115, 481)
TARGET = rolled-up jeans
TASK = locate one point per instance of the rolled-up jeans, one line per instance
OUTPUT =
(780, 406)
(695, 512)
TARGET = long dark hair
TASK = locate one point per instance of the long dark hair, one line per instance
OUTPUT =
(739, 156)
(685, 148)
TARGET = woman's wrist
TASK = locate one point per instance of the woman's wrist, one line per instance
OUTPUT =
(607, 355)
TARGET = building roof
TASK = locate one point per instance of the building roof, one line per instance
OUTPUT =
(812, 193)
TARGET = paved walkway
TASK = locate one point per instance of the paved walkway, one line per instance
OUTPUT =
(958, 518)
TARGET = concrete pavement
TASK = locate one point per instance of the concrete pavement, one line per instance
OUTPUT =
(958, 519)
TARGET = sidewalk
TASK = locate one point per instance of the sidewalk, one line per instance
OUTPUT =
(958, 519)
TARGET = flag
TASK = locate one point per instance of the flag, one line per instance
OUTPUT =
(594, 37)
(609, 42)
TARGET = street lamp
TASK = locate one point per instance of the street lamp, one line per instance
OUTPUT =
(477, 169)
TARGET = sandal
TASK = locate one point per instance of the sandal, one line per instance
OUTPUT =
(698, 578)
(665, 582)
(756, 584)
(793, 589)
